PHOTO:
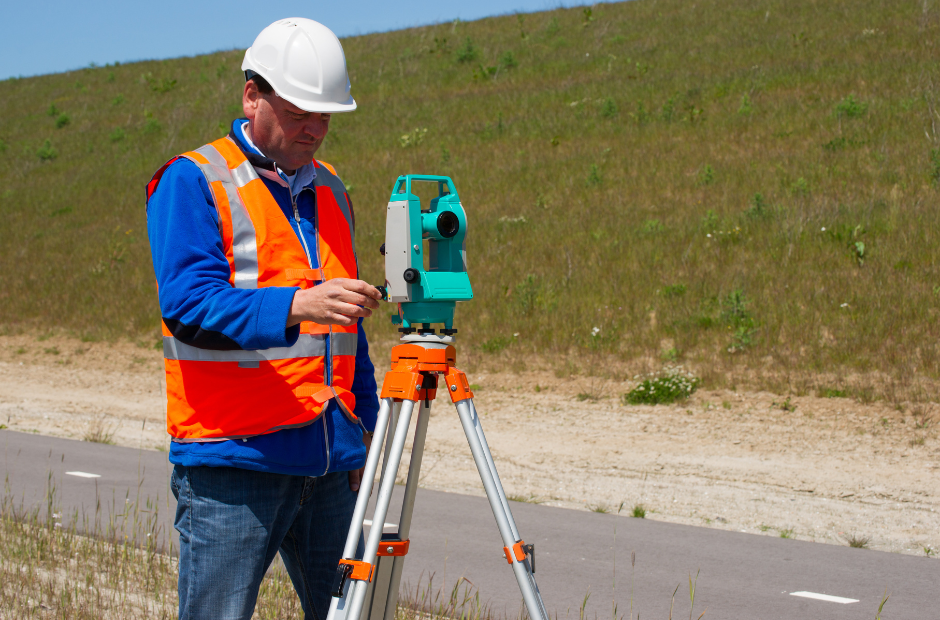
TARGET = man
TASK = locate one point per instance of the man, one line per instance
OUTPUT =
(271, 399)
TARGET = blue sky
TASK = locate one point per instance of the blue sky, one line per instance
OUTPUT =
(52, 36)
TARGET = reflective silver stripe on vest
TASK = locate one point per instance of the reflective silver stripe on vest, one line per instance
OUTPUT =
(325, 178)
(244, 240)
(344, 344)
(307, 345)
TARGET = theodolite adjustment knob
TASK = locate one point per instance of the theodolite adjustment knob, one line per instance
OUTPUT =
(411, 275)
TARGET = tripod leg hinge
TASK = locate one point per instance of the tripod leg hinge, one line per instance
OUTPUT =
(393, 548)
(402, 385)
(457, 385)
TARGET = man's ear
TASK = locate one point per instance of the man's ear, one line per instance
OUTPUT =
(250, 99)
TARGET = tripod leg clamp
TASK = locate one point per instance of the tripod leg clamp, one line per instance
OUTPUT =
(351, 569)
(520, 550)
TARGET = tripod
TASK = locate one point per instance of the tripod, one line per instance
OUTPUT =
(367, 589)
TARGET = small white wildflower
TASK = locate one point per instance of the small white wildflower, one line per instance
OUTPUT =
(56, 515)
(516, 335)
(58, 525)
(595, 331)
(823, 229)
(844, 306)
(709, 235)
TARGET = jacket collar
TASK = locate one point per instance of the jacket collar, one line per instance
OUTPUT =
(265, 166)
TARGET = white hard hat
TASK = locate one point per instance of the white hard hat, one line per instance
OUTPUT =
(304, 62)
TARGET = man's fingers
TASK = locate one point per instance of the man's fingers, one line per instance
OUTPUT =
(354, 479)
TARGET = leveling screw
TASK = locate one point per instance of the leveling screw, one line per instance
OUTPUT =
(390, 549)
(453, 388)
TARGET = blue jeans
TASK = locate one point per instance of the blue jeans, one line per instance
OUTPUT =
(231, 523)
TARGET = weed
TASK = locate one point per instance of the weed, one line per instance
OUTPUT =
(832, 393)
(609, 108)
(881, 606)
(929, 551)
(639, 511)
(935, 166)
(587, 16)
(117, 135)
(495, 344)
(652, 227)
(51, 351)
(736, 315)
(118, 100)
(583, 396)
(668, 111)
(467, 52)
(674, 290)
(857, 249)
(62, 120)
(787, 533)
(528, 499)
(745, 109)
(857, 541)
(507, 60)
(602, 508)
(553, 27)
(850, 107)
(785, 405)
(99, 431)
(764, 528)
(641, 116)
(413, 138)
(152, 126)
(706, 175)
(800, 187)
(47, 152)
(758, 209)
(668, 386)
(594, 177)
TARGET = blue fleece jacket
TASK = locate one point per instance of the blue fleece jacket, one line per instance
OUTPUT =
(197, 300)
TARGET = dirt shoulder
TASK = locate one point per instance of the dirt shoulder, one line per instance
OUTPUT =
(822, 469)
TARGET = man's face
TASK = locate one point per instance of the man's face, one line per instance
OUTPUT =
(285, 133)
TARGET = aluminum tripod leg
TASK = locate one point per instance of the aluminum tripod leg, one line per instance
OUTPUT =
(382, 593)
(349, 605)
(504, 521)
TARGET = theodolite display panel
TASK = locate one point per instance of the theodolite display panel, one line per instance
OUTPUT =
(426, 286)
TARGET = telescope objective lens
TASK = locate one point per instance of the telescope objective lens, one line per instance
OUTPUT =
(448, 224)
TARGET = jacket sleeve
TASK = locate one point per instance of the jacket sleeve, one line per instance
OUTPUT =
(364, 387)
(198, 304)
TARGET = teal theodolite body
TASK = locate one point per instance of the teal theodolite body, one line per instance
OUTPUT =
(426, 280)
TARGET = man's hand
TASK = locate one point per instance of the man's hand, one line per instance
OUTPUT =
(339, 301)
(355, 476)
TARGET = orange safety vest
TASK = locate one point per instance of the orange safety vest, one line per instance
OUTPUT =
(218, 395)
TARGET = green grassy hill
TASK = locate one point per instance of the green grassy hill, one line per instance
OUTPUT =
(726, 183)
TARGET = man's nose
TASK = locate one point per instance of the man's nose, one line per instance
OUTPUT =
(317, 126)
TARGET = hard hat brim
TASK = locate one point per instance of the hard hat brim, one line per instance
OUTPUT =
(320, 107)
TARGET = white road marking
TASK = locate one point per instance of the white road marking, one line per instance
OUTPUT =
(369, 523)
(825, 597)
(82, 474)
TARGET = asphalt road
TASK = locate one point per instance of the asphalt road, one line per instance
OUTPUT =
(578, 554)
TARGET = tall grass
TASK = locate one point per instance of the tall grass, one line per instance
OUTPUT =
(629, 172)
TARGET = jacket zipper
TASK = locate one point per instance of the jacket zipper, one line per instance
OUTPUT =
(328, 363)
